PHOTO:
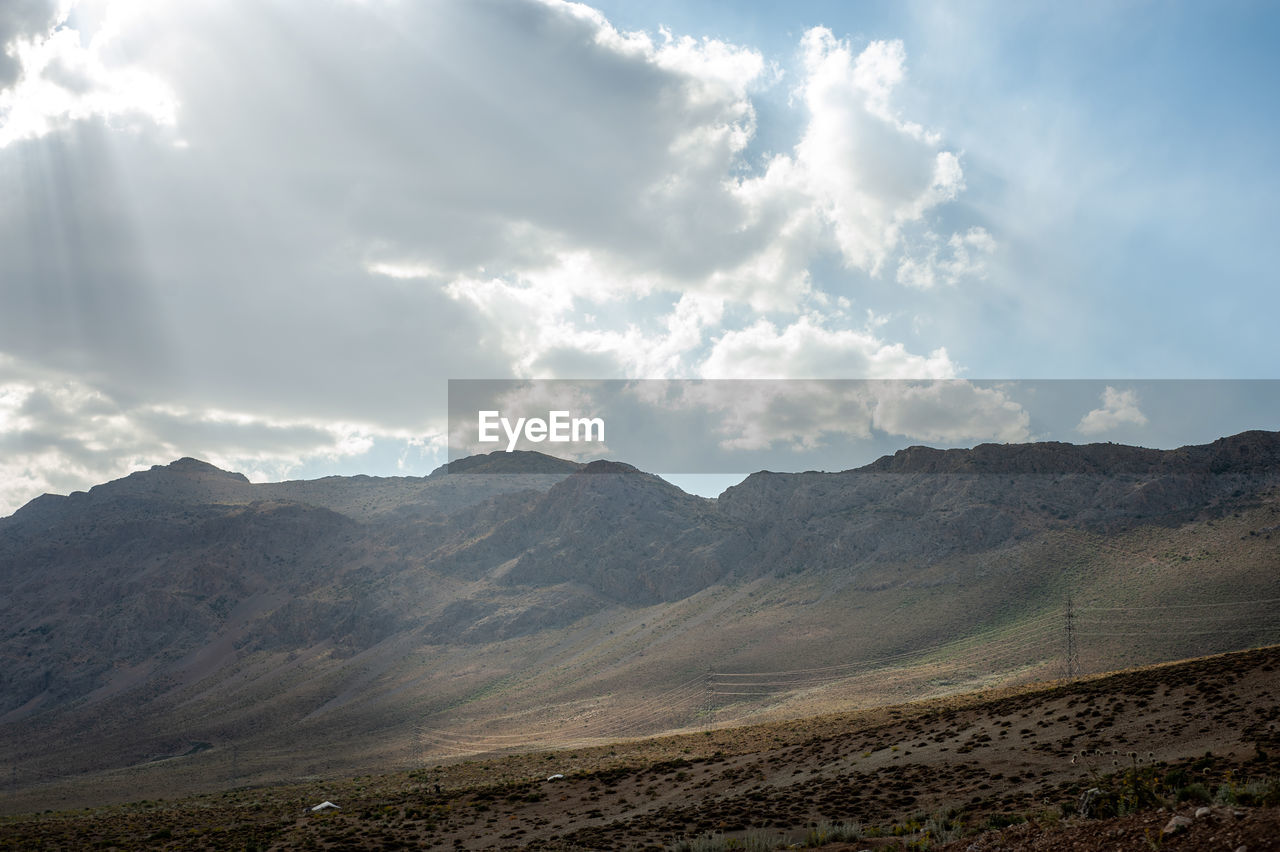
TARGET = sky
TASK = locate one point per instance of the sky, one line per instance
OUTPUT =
(268, 234)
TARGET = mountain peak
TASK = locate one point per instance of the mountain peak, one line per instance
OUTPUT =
(517, 461)
(184, 479)
(607, 466)
(188, 466)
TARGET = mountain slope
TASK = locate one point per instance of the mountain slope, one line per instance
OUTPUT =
(973, 763)
(458, 613)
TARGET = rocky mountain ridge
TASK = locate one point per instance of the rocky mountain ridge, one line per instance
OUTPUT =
(172, 579)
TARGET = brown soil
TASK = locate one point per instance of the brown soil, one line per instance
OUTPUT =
(1257, 830)
(994, 771)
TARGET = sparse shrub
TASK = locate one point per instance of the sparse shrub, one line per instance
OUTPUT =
(939, 829)
(701, 843)
(911, 826)
(759, 841)
(1263, 792)
(752, 841)
(828, 832)
(1196, 793)
(1139, 787)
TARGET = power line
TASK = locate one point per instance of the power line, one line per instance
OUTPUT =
(1181, 606)
(862, 666)
(742, 682)
(1175, 633)
(1031, 624)
(639, 715)
(700, 693)
(1137, 618)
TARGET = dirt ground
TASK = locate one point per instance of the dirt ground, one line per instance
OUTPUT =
(1253, 829)
(970, 773)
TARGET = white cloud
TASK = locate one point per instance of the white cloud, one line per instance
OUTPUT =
(680, 217)
(539, 326)
(313, 217)
(58, 434)
(867, 170)
(950, 412)
(1119, 408)
(22, 22)
(806, 349)
(64, 77)
(794, 414)
(803, 415)
(965, 256)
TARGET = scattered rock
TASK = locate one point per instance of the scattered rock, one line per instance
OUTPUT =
(1177, 825)
(1088, 801)
(1203, 812)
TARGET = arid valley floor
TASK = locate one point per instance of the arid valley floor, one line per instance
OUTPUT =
(995, 770)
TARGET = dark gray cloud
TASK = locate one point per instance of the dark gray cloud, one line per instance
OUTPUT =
(208, 197)
(21, 20)
(74, 284)
(440, 134)
(233, 271)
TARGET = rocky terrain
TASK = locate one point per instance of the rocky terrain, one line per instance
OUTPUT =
(204, 632)
(1097, 763)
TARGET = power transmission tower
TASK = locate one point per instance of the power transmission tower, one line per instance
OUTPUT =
(415, 749)
(706, 722)
(1073, 657)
